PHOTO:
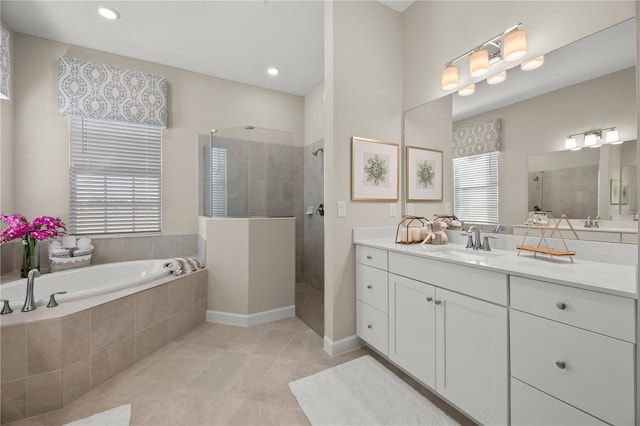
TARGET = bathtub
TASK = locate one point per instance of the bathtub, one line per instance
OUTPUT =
(112, 316)
(85, 282)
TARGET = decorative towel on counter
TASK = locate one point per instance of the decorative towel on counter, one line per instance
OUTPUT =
(183, 265)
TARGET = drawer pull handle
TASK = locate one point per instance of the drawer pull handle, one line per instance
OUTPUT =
(429, 298)
(561, 305)
(438, 302)
(369, 286)
(369, 257)
(369, 326)
(561, 365)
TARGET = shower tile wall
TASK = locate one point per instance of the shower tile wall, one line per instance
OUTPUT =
(313, 264)
(570, 191)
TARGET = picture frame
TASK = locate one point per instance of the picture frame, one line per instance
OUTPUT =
(423, 168)
(375, 166)
(614, 192)
(624, 193)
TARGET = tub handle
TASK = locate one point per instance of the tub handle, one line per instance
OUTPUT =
(6, 309)
(52, 299)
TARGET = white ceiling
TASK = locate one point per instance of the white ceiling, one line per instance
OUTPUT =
(234, 40)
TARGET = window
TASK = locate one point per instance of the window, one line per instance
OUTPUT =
(115, 177)
(475, 188)
(218, 182)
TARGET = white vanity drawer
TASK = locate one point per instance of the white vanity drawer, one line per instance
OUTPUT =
(372, 257)
(475, 282)
(372, 286)
(599, 312)
(373, 327)
(590, 371)
(629, 238)
(530, 407)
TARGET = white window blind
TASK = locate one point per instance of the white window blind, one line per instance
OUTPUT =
(115, 177)
(475, 188)
(218, 182)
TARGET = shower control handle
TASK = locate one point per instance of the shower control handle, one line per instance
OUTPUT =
(52, 299)
(6, 308)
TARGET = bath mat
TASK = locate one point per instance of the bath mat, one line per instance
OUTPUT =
(119, 416)
(364, 392)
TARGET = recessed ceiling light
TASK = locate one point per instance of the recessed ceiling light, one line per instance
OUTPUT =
(108, 13)
(273, 71)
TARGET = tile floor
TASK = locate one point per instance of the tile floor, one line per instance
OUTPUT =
(217, 374)
(310, 307)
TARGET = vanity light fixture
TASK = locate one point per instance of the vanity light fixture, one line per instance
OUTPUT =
(273, 71)
(479, 63)
(466, 91)
(532, 64)
(509, 45)
(497, 78)
(570, 143)
(591, 138)
(108, 13)
(612, 136)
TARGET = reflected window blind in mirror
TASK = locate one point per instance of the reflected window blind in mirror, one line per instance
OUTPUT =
(115, 177)
(475, 188)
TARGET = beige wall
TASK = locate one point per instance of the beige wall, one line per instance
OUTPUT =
(435, 32)
(197, 103)
(541, 124)
(6, 149)
(314, 115)
(363, 97)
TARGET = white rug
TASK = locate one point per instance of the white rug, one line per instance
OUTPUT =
(364, 392)
(119, 416)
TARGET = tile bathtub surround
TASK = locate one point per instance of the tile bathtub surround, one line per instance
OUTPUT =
(49, 364)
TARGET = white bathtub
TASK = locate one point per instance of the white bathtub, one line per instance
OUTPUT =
(85, 282)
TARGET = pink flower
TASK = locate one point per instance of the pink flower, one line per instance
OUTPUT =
(42, 228)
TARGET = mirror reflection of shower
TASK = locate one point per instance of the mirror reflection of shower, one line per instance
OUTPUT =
(247, 171)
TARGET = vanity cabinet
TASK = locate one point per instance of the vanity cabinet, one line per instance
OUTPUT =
(572, 349)
(433, 332)
(372, 320)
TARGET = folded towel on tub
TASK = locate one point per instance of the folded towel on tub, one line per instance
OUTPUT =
(183, 265)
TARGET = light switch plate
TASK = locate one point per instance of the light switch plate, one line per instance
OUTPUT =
(447, 208)
(393, 209)
(342, 209)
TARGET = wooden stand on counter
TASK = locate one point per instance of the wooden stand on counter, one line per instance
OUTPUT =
(545, 249)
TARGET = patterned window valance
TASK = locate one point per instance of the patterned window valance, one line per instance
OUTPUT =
(5, 64)
(479, 138)
(108, 92)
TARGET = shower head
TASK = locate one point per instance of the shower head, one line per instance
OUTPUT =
(315, 153)
(537, 178)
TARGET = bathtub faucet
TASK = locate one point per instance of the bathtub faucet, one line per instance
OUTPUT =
(29, 301)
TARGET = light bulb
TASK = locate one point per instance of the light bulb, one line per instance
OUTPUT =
(497, 78)
(570, 143)
(466, 91)
(108, 13)
(532, 64)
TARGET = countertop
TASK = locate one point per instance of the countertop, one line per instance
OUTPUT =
(603, 277)
(620, 230)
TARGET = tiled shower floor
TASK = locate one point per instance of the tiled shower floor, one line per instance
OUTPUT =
(310, 307)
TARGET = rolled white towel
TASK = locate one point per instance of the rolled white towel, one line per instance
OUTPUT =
(84, 243)
(183, 265)
(69, 241)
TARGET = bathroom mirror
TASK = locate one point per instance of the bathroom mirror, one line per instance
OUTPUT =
(539, 113)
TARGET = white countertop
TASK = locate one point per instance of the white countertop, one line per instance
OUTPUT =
(582, 228)
(603, 277)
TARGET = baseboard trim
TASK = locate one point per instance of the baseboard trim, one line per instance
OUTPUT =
(342, 346)
(241, 320)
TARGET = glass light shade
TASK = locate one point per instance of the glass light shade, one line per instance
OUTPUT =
(450, 78)
(497, 78)
(612, 137)
(532, 64)
(590, 139)
(570, 143)
(479, 63)
(515, 45)
(273, 71)
(466, 91)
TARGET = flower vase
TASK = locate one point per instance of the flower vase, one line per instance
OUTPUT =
(30, 256)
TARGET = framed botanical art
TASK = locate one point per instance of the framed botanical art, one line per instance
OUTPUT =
(624, 192)
(614, 192)
(374, 170)
(424, 174)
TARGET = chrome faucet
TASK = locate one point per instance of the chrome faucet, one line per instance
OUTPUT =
(498, 228)
(589, 223)
(477, 244)
(29, 301)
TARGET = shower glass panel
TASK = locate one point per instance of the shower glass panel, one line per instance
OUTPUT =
(247, 172)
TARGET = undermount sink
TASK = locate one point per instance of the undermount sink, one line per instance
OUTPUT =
(460, 253)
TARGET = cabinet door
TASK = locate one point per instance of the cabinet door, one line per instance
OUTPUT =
(472, 358)
(412, 327)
